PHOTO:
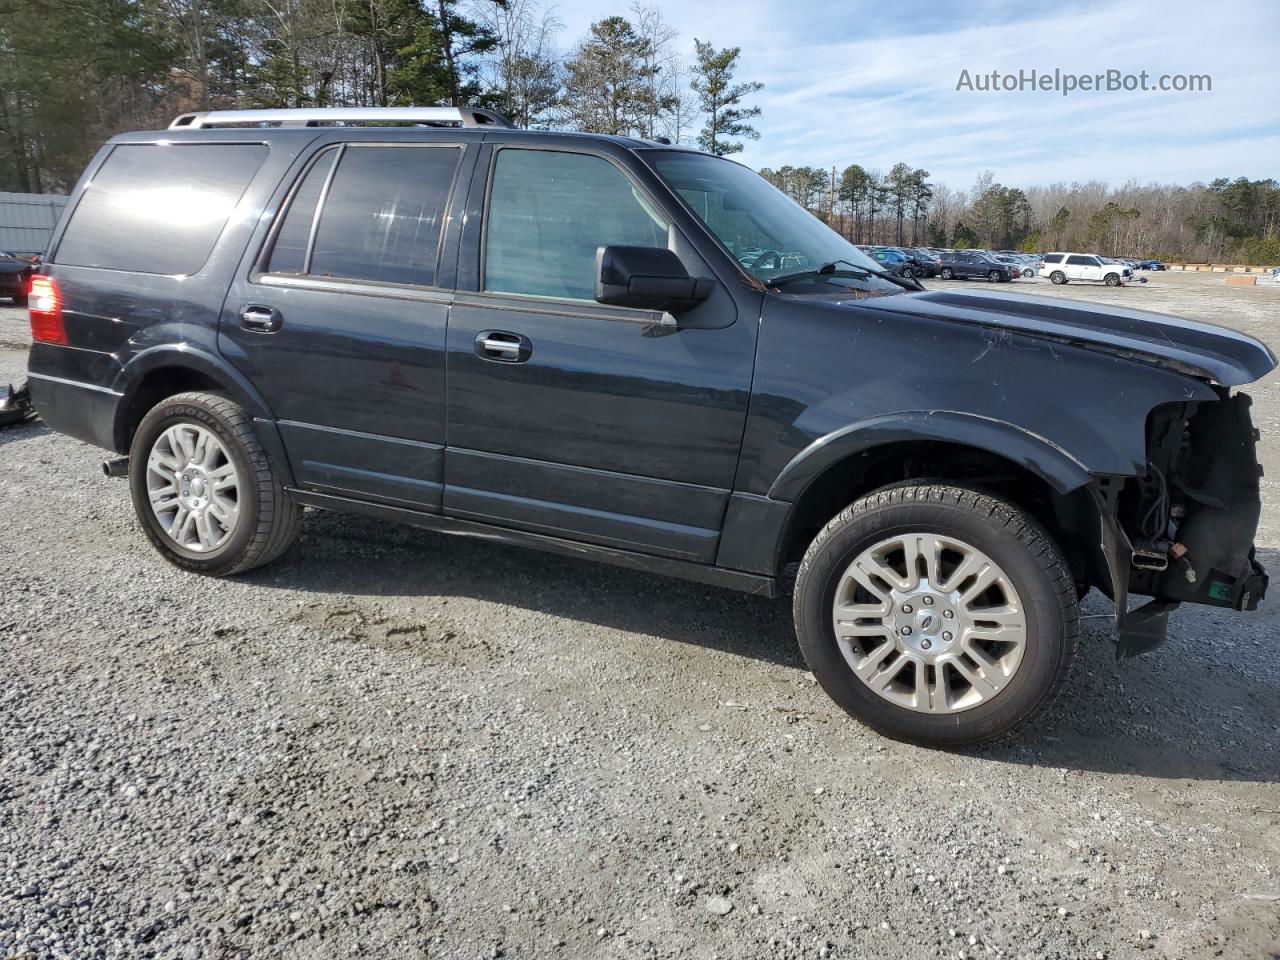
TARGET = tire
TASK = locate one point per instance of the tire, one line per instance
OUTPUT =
(1111, 280)
(993, 276)
(265, 521)
(1043, 598)
(1028, 274)
(908, 273)
(1058, 277)
(946, 274)
(20, 299)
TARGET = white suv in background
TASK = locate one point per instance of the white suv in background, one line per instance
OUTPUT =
(1065, 267)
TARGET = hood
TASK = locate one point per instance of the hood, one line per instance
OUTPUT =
(1200, 349)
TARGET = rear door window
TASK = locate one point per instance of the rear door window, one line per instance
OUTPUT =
(1078, 261)
(1053, 258)
(369, 212)
(158, 207)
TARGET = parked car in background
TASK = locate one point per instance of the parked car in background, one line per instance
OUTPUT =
(976, 264)
(893, 261)
(1151, 265)
(15, 277)
(582, 364)
(1064, 267)
(1015, 260)
(923, 262)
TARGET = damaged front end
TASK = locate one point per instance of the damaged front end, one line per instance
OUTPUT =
(1184, 531)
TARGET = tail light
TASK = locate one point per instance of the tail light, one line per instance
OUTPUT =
(45, 303)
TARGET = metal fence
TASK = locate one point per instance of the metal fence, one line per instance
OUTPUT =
(27, 220)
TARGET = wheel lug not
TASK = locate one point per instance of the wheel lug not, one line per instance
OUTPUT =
(906, 608)
(906, 631)
(926, 643)
(948, 614)
(946, 637)
(928, 601)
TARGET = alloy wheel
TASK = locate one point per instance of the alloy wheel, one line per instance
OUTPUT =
(193, 487)
(929, 623)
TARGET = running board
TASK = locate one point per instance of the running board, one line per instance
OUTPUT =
(752, 583)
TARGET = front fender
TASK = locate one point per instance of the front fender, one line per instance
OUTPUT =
(1056, 466)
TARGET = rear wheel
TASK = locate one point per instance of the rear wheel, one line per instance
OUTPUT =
(1028, 273)
(937, 614)
(203, 489)
(946, 274)
(1058, 277)
(908, 273)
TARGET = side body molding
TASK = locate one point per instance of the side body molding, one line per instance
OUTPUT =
(1056, 466)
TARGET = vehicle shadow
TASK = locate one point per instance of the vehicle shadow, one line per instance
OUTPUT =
(1200, 707)
(23, 431)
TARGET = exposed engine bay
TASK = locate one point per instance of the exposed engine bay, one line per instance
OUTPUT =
(1191, 520)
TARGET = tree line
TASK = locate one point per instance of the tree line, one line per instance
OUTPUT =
(1225, 220)
(75, 72)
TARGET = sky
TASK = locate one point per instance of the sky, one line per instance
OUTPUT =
(876, 83)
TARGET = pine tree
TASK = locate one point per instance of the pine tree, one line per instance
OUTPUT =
(720, 99)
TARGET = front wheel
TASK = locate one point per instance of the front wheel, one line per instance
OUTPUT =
(946, 274)
(936, 614)
(908, 273)
(203, 489)
(1028, 273)
(993, 276)
(1111, 280)
(1058, 277)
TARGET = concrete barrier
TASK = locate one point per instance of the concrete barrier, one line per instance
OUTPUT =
(1239, 280)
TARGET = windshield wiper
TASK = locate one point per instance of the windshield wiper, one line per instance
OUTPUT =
(830, 269)
(826, 270)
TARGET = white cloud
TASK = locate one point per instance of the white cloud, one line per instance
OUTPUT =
(874, 84)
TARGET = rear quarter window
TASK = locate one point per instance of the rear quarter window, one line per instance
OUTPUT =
(158, 208)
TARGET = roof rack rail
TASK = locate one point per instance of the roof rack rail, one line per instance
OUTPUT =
(342, 116)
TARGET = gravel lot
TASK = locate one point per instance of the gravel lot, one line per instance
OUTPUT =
(398, 744)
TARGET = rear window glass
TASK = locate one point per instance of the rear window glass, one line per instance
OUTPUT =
(382, 216)
(289, 254)
(158, 208)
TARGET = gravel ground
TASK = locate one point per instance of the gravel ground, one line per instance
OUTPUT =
(397, 744)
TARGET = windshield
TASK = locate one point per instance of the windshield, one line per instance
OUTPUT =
(771, 235)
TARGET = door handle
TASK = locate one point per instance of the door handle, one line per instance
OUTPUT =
(503, 347)
(260, 319)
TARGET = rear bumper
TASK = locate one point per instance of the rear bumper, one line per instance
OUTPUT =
(80, 410)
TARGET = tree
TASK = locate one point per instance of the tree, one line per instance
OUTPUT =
(606, 87)
(720, 99)
(521, 73)
(901, 189)
(921, 194)
(854, 185)
(663, 94)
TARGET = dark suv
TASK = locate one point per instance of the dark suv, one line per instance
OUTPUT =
(551, 340)
(975, 264)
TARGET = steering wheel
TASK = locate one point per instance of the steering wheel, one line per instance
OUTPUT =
(759, 261)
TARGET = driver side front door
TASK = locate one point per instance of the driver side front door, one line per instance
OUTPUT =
(608, 425)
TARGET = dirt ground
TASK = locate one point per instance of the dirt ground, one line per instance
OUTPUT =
(393, 743)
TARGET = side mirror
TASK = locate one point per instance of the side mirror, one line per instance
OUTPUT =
(647, 278)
